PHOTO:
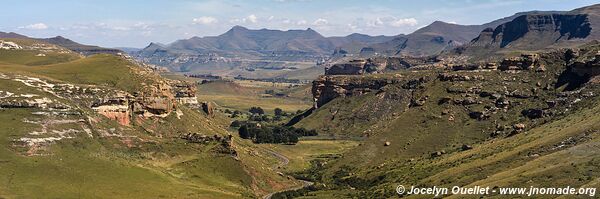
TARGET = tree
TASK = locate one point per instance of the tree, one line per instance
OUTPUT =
(236, 123)
(278, 112)
(292, 139)
(244, 132)
(256, 110)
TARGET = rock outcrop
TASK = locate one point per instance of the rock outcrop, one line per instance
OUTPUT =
(117, 108)
(374, 65)
(352, 67)
(185, 93)
(526, 61)
(7, 45)
(153, 101)
(327, 88)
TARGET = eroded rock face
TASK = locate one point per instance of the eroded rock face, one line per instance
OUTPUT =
(374, 65)
(352, 67)
(587, 67)
(327, 88)
(185, 93)
(536, 31)
(153, 101)
(524, 62)
(117, 108)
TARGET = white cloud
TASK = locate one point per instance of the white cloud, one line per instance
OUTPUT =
(320, 22)
(252, 18)
(37, 26)
(249, 19)
(302, 22)
(404, 22)
(271, 18)
(353, 27)
(205, 20)
(375, 23)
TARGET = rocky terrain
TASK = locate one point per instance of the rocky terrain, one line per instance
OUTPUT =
(510, 103)
(410, 119)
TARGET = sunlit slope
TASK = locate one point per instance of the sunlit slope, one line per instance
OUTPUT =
(71, 151)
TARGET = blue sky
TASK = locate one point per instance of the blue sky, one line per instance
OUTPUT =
(135, 23)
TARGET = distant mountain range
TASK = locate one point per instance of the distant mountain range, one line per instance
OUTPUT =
(66, 43)
(525, 30)
(245, 49)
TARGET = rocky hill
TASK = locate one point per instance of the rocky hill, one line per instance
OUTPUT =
(444, 127)
(536, 31)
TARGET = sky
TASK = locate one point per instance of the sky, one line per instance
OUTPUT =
(136, 23)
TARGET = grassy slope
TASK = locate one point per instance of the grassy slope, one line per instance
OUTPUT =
(29, 58)
(153, 167)
(89, 168)
(103, 70)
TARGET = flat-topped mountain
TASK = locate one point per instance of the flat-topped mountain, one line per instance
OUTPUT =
(429, 40)
(536, 31)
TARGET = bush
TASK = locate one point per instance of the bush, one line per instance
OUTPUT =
(278, 112)
(256, 110)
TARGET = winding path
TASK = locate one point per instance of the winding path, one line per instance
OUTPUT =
(283, 161)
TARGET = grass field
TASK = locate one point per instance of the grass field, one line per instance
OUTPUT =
(304, 151)
(245, 94)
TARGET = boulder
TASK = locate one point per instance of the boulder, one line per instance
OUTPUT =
(466, 147)
(502, 102)
(534, 113)
(479, 115)
(519, 127)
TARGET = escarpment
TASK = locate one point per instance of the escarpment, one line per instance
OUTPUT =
(374, 65)
(157, 100)
(327, 88)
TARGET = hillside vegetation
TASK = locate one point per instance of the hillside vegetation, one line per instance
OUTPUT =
(54, 144)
